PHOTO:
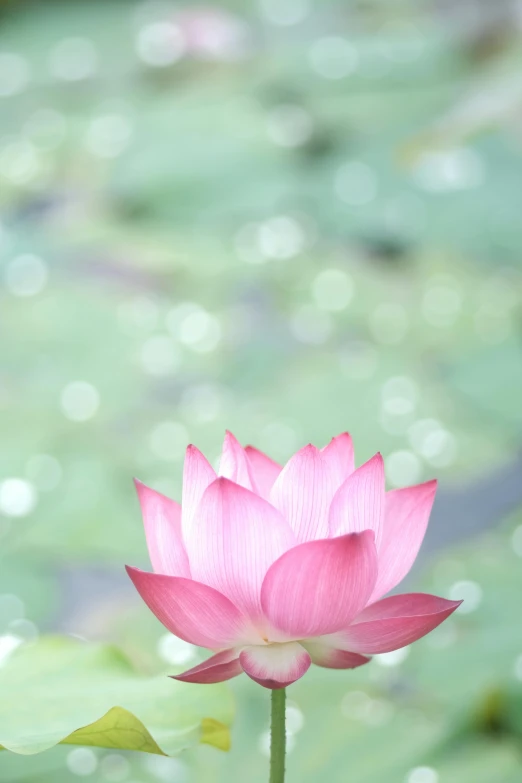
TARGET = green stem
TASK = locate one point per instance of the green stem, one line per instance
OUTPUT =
(278, 737)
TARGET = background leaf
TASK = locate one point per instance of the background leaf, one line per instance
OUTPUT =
(62, 690)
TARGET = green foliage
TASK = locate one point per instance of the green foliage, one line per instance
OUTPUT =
(422, 361)
(61, 690)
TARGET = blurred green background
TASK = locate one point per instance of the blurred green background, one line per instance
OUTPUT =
(288, 218)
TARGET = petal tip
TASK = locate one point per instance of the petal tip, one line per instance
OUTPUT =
(222, 483)
(139, 486)
(377, 459)
(230, 438)
(309, 451)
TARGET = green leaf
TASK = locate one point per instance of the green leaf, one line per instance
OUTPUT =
(60, 690)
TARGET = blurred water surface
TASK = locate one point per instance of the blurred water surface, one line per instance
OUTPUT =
(288, 219)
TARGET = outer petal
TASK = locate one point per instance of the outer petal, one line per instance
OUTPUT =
(263, 469)
(332, 658)
(319, 587)
(192, 611)
(303, 493)
(198, 473)
(162, 520)
(234, 464)
(358, 504)
(220, 667)
(395, 622)
(275, 665)
(340, 457)
(406, 515)
(234, 539)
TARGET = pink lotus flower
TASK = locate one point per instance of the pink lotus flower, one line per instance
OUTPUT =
(276, 568)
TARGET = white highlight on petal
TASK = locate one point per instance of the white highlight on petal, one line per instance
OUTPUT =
(18, 497)
(26, 275)
(282, 663)
(469, 592)
(79, 401)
